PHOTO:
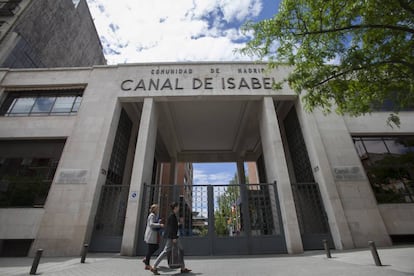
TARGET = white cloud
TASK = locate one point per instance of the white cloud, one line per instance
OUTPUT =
(241, 9)
(203, 177)
(334, 61)
(180, 30)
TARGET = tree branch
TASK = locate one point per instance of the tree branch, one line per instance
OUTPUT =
(403, 62)
(405, 5)
(298, 15)
(334, 76)
(337, 75)
(367, 26)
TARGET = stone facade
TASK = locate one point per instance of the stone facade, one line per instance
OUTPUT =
(155, 96)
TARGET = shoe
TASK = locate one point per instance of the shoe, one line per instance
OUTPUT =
(185, 270)
(148, 267)
(143, 260)
(154, 271)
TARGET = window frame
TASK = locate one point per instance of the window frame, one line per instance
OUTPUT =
(12, 97)
(383, 190)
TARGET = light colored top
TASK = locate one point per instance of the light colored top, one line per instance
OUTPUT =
(151, 231)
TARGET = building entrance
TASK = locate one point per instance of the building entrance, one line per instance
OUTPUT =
(215, 219)
(221, 219)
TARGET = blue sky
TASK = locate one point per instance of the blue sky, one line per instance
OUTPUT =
(213, 173)
(181, 30)
(133, 31)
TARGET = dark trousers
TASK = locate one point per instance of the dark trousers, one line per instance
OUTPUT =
(152, 247)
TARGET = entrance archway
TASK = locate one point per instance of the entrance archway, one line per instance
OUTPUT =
(211, 130)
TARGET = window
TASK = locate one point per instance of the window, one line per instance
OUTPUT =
(22, 105)
(42, 103)
(389, 165)
(63, 105)
(27, 168)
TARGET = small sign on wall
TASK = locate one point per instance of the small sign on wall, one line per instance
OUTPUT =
(133, 196)
(72, 176)
(348, 173)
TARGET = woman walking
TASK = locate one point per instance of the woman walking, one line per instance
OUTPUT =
(171, 233)
(151, 234)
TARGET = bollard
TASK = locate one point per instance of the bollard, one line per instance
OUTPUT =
(374, 253)
(327, 250)
(84, 252)
(36, 261)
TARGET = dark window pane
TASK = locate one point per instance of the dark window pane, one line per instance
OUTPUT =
(408, 142)
(77, 104)
(26, 103)
(23, 105)
(43, 104)
(63, 104)
(390, 168)
(360, 148)
(375, 145)
(8, 105)
(395, 146)
(25, 178)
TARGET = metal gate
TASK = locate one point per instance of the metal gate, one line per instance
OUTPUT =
(312, 218)
(221, 219)
(110, 219)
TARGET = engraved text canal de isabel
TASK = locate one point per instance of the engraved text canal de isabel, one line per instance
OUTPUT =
(157, 83)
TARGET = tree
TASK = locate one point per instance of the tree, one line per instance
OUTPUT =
(349, 56)
(227, 213)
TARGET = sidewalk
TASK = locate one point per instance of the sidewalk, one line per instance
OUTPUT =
(395, 260)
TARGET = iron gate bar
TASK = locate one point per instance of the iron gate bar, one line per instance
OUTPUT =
(312, 218)
(258, 201)
(110, 219)
(210, 215)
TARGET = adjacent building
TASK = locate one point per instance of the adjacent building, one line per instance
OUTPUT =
(42, 33)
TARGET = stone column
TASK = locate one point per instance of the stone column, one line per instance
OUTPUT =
(277, 170)
(173, 191)
(141, 173)
(173, 171)
(338, 224)
(241, 174)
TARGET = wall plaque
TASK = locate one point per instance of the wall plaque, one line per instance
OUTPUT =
(348, 173)
(72, 176)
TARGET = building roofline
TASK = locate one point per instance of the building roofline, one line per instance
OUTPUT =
(194, 63)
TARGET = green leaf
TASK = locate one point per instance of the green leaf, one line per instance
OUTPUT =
(370, 44)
